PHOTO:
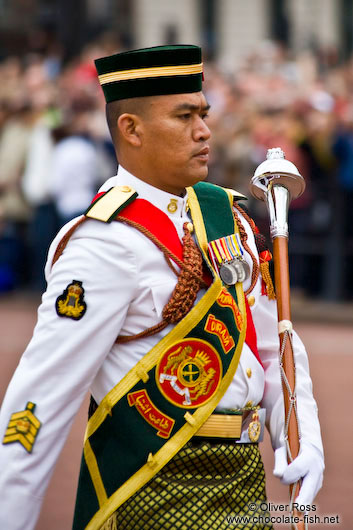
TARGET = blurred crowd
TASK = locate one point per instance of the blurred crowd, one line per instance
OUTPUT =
(55, 151)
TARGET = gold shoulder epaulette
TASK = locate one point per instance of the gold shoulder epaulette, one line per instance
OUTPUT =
(107, 206)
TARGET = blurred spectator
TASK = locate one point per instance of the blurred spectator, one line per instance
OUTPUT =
(43, 224)
(14, 210)
(75, 166)
(343, 150)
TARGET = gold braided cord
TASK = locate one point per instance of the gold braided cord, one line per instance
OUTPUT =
(188, 285)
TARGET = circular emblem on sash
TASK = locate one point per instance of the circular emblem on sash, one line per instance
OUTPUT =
(189, 372)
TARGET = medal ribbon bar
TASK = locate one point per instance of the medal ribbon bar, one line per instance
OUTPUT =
(225, 249)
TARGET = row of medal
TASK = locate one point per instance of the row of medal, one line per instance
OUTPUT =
(227, 256)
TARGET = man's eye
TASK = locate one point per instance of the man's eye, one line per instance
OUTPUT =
(205, 116)
(185, 116)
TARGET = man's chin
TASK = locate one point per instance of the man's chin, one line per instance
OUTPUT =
(199, 176)
(192, 178)
(202, 176)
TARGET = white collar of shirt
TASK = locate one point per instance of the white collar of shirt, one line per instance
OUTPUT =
(172, 205)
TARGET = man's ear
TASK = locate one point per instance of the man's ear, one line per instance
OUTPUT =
(130, 128)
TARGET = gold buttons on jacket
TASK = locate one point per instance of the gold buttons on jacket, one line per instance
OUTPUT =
(172, 206)
(125, 189)
(251, 300)
(249, 372)
(190, 227)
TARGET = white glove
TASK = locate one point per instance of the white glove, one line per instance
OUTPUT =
(308, 466)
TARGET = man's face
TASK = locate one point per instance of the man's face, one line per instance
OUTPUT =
(174, 141)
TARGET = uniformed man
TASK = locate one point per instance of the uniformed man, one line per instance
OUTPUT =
(145, 308)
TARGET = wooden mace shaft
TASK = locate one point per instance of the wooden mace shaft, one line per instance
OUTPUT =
(280, 258)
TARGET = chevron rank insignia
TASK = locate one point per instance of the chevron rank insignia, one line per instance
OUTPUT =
(23, 427)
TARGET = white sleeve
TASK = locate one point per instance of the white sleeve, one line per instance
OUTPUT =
(61, 361)
(265, 320)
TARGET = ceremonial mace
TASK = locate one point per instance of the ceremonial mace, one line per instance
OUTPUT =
(276, 182)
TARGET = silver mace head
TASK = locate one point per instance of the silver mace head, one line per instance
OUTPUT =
(277, 181)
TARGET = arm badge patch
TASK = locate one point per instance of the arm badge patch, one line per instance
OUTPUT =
(23, 427)
(71, 304)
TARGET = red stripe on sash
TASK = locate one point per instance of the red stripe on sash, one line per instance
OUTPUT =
(156, 221)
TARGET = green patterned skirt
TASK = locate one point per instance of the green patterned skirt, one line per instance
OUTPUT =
(205, 486)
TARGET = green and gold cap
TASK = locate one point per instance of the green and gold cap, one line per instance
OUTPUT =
(151, 72)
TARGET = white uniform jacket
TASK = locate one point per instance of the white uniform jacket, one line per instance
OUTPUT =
(126, 284)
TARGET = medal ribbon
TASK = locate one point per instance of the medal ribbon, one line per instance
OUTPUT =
(225, 249)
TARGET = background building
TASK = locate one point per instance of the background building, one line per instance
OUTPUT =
(228, 28)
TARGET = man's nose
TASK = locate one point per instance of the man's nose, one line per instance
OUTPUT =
(201, 131)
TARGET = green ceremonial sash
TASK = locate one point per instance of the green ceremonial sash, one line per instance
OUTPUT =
(166, 397)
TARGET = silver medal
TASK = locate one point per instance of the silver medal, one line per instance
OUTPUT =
(234, 271)
(228, 273)
(242, 269)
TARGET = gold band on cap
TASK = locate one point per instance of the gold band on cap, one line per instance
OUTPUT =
(157, 71)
